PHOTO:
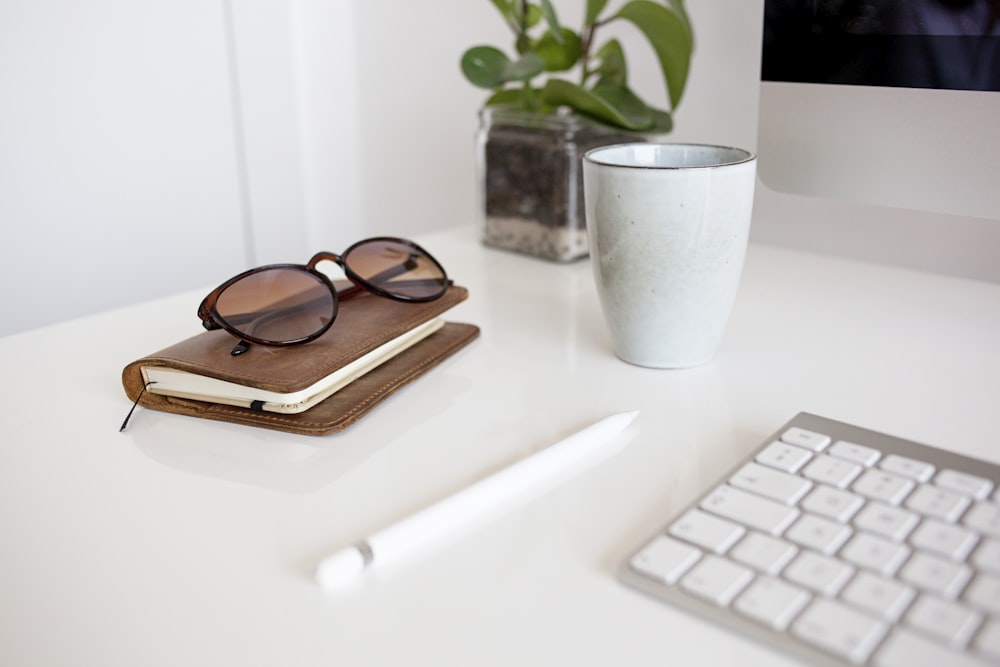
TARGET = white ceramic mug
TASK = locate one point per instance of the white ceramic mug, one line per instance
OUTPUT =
(667, 227)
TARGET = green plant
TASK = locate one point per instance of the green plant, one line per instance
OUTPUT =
(602, 92)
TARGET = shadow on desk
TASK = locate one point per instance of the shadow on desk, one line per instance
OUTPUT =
(279, 461)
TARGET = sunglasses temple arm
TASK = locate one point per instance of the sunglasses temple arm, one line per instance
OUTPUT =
(351, 291)
(409, 265)
(388, 274)
(240, 348)
(255, 320)
(279, 310)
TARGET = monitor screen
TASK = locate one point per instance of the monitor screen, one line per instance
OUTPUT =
(885, 102)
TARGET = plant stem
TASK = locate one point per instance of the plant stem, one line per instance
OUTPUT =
(529, 98)
(586, 42)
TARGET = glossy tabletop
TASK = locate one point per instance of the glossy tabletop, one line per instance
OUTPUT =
(190, 542)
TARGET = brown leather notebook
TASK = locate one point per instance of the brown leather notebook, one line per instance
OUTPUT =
(364, 323)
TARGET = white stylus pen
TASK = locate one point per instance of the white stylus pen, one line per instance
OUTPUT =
(484, 500)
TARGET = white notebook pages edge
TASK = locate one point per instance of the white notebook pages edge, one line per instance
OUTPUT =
(181, 384)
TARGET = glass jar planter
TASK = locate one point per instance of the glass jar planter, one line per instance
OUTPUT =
(531, 180)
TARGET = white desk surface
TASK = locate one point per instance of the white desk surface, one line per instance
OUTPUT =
(190, 542)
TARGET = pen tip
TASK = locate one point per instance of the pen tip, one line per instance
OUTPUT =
(340, 569)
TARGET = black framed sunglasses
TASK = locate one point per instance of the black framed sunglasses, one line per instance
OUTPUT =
(291, 304)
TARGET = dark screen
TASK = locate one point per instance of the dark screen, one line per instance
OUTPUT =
(952, 44)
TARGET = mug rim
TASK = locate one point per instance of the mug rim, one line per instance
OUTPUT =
(743, 156)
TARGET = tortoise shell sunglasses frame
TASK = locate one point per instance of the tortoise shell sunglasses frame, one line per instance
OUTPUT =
(292, 304)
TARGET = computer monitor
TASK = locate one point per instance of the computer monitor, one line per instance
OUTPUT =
(888, 103)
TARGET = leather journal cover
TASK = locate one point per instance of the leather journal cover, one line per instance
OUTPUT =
(363, 324)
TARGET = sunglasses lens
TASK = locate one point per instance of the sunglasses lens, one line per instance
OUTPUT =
(277, 305)
(398, 268)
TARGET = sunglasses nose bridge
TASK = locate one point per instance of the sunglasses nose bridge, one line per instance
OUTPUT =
(324, 256)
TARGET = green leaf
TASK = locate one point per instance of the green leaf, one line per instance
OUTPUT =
(507, 96)
(612, 68)
(484, 66)
(534, 16)
(503, 6)
(594, 8)
(585, 102)
(506, 11)
(523, 43)
(617, 108)
(637, 113)
(549, 13)
(524, 68)
(489, 67)
(678, 8)
(663, 122)
(526, 14)
(670, 36)
(559, 53)
(520, 97)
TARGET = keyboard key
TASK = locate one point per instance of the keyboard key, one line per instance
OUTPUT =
(960, 482)
(835, 627)
(756, 512)
(984, 593)
(905, 648)
(883, 486)
(772, 602)
(832, 503)
(907, 467)
(818, 573)
(770, 483)
(938, 503)
(875, 553)
(803, 438)
(866, 456)
(717, 580)
(822, 535)
(988, 640)
(763, 553)
(780, 456)
(947, 621)
(886, 598)
(944, 539)
(665, 559)
(833, 471)
(936, 575)
(885, 520)
(853, 548)
(987, 556)
(707, 530)
(984, 517)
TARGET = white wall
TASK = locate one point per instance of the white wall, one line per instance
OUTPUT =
(418, 119)
(148, 147)
(117, 177)
(297, 73)
(419, 115)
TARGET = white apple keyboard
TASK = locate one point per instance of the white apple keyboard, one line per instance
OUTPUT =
(841, 545)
